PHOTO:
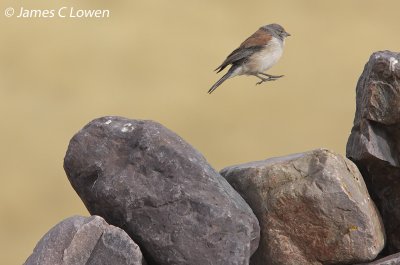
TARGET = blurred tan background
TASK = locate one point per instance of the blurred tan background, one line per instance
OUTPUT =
(155, 60)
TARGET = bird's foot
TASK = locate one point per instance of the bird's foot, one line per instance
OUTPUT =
(272, 76)
(266, 79)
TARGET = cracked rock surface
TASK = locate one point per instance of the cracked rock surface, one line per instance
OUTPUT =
(389, 260)
(374, 143)
(85, 241)
(144, 178)
(313, 208)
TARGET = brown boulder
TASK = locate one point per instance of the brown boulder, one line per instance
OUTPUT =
(313, 208)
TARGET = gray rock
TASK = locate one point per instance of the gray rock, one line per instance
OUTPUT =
(389, 260)
(374, 143)
(85, 240)
(145, 179)
(313, 208)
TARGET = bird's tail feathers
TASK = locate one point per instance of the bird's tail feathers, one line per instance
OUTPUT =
(228, 75)
(220, 68)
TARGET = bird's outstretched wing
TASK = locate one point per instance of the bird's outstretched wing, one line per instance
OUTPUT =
(252, 44)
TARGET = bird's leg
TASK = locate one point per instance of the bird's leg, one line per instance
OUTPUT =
(271, 76)
(264, 79)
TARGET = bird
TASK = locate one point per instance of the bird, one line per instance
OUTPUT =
(255, 55)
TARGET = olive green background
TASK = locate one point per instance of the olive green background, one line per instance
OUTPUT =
(155, 60)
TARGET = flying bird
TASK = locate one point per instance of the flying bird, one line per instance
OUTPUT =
(255, 55)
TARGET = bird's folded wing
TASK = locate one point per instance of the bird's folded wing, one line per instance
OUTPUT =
(237, 56)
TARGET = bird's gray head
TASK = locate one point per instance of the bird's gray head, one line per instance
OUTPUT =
(277, 31)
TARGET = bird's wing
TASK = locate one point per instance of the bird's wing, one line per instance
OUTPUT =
(251, 45)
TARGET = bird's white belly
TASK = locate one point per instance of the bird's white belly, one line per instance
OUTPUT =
(264, 59)
(268, 58)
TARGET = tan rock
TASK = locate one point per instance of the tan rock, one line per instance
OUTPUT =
(313, 208)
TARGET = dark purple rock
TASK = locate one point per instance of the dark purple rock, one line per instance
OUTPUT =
(313, 208)
(374, 143)
(85, 240)
(145, 179)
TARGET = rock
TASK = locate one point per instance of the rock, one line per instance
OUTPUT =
(85, 240)
(374, 143)
(145, 179)
(389, 260)
(313, 208)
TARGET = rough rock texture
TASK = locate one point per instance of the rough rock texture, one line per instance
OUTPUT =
(145, 179)
(374, 143)
(389, 260)
(85, 240)
(313, 208)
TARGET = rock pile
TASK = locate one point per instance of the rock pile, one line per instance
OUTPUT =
(159, 196)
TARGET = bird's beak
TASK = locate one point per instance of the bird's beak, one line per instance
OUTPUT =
(287, 34)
